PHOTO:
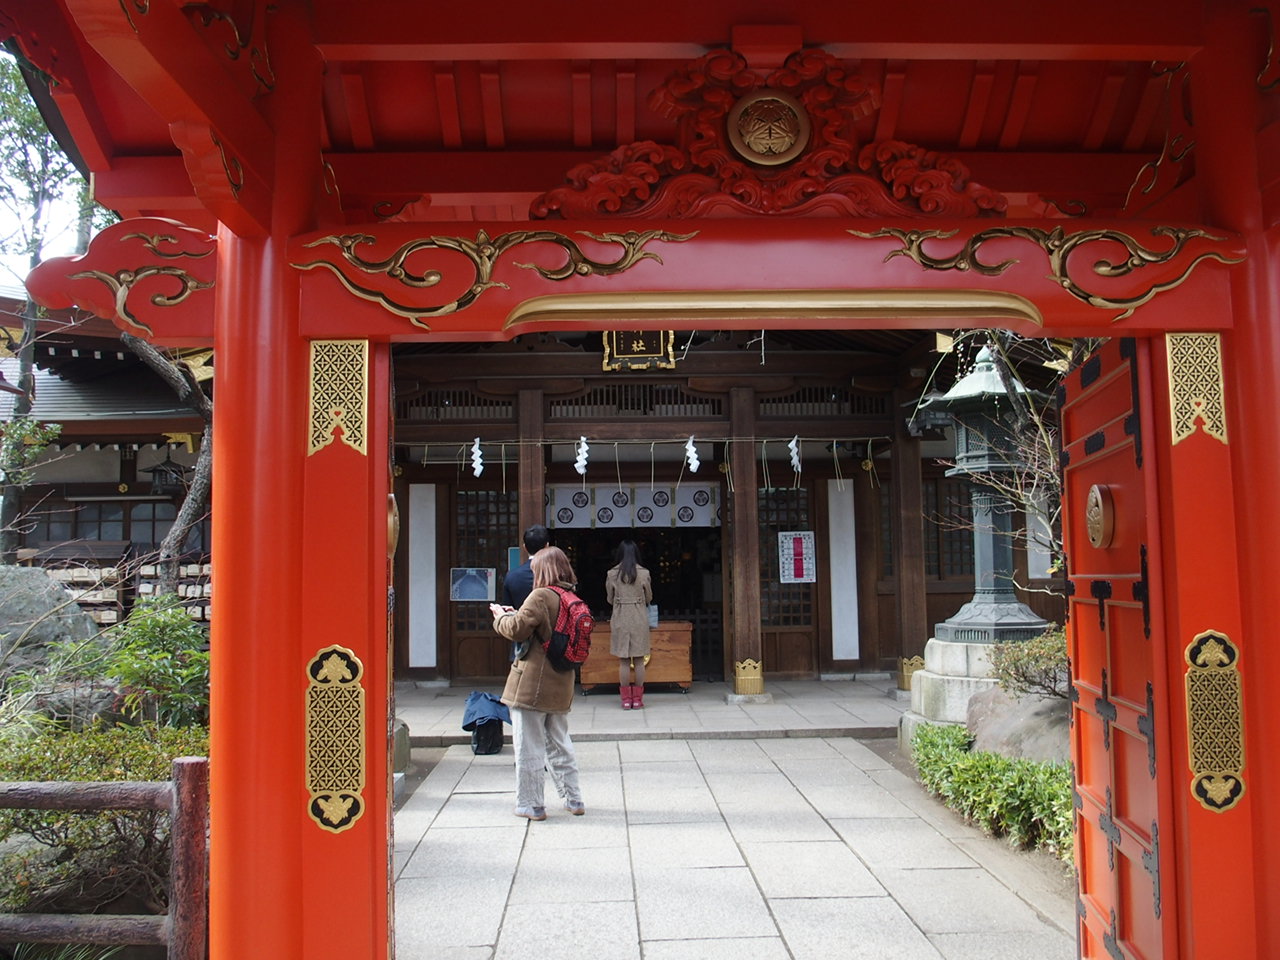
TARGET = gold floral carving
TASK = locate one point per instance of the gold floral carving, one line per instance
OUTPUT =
(335, 722)
(483, 253)
(339, 394)
(1215, 721)
(122, 282)
(1100, 517)
(1161, 175)
(1269, 74)
(231, 167)
(141, 7)
(242, 39)
(1059, 246)
(748, 677)
(1195, 385)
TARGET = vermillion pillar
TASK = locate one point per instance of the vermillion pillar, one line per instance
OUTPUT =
(1231, 166)
(300, 819)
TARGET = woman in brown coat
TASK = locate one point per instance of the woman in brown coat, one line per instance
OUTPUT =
(539, 695)
(629, 589)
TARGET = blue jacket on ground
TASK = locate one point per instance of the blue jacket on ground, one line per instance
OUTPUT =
(481, 708)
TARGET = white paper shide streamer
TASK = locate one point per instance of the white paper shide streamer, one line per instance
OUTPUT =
(477, 458)
(794, 446)
(580, 464)
(691, 455)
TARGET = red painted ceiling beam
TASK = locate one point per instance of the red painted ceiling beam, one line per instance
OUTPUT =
(227, 144)
(677, 30)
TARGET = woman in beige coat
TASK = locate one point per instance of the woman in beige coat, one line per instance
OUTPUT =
(629, 589)
(539, 695)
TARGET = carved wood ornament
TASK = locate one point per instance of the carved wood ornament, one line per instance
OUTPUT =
(781, 144)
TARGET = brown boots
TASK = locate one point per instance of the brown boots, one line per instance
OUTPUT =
(632, 696)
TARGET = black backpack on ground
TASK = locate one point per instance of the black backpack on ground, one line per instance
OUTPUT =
(484, 715)
(487, 737)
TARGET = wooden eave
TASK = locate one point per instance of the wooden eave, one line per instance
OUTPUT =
(467, 114)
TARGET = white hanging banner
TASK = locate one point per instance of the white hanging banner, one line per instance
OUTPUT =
(653, 506)
(696, 505)
(796, 557)
(569, 505)
(612, 506)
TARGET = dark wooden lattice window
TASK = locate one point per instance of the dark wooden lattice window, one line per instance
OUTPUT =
(948, 530)
(149, 522)
(782, 604)
(487, 524)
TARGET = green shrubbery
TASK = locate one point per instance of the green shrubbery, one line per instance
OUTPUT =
(88, 860)
(1027, 801)
(158, 657)
(1037, 666)
(157, 663)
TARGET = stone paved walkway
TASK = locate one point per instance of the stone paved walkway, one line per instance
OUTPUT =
(716, 844)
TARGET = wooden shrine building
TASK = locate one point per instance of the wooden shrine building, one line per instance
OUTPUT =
(416, 236)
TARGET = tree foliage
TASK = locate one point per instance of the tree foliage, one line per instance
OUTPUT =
(35, 175)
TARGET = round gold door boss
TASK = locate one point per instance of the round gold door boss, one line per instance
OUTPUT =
(1099, 514)
(768, 127)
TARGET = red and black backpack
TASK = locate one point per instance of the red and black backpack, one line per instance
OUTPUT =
(570, 640)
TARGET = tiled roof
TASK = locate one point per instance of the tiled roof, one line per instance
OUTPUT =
(119, 397)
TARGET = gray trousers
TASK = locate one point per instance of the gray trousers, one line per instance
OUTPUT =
(542, 743)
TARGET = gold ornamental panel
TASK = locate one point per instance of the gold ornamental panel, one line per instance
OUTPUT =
(1195, 384)
(748, 677)
(1215, 721)
(335, 723)
(639, 350)
(339, 394)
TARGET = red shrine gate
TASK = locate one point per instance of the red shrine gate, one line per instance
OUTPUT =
(302, 301)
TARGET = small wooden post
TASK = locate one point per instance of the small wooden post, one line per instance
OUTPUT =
(188, 886)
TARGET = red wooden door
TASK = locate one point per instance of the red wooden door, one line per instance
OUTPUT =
(1120, 715)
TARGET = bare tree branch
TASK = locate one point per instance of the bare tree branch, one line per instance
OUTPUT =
(179, 376)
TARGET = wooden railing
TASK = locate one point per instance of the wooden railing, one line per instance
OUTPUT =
(186, 798)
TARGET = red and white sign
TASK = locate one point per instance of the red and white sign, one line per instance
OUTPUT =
(796, 557)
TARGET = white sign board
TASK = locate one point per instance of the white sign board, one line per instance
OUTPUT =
(796, 557)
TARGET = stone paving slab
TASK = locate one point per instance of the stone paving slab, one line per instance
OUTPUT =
(716, 847)
(846, 708)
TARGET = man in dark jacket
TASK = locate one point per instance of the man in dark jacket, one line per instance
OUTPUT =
(518, 583)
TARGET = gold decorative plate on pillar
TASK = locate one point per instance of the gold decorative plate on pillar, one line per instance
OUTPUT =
(335, 739)
(339, 399)
(1215, 721)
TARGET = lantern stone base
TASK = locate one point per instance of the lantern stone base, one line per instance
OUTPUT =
(991, 621)
(953, 672)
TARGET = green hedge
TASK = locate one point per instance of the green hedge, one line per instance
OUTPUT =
(85, 861)
(1025, 800)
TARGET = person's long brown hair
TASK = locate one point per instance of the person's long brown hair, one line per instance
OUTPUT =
(628, 561)
(550, 565)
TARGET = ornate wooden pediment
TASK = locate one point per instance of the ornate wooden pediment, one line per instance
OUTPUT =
(776, 144)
